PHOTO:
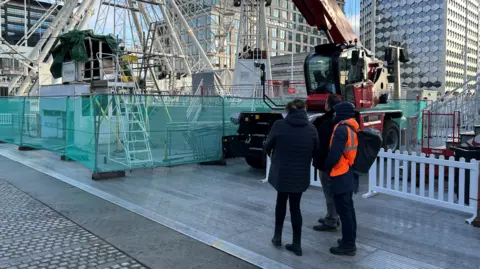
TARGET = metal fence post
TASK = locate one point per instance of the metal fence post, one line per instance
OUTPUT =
(65, 131)
(96, 130)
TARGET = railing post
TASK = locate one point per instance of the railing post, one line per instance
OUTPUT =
(372, 180)
(475, 194)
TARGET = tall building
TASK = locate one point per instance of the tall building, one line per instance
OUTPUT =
(442, 38)
(288, 32)
(13, 19)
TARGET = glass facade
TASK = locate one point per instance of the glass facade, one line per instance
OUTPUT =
(288, 32)
(434, 32)
(13, 20)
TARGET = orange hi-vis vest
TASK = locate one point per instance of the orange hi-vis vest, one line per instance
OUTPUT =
(350, 152)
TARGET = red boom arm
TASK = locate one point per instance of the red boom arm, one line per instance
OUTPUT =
(328, 16)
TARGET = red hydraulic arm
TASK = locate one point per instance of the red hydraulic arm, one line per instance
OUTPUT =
(327, 15)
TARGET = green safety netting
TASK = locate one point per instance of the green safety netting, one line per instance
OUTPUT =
(181, 129)
(80, 46)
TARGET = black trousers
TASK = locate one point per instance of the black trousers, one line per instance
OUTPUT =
(295, 213)
(346, 212)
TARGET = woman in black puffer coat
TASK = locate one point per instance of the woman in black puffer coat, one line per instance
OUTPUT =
(291, 143)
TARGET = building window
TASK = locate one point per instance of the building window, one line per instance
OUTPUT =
(276, 13)
(274, 32)
(274, 44)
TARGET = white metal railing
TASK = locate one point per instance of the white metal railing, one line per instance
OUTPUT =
(463, 99)
(314, 181)
(5, 118)
(392, 171)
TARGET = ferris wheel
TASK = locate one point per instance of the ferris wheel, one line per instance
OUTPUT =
(165, 34)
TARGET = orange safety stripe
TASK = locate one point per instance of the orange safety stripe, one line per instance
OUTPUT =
(350, 152)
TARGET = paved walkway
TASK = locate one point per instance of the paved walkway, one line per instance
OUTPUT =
(34, 236)
(227, 208)
(46, 223)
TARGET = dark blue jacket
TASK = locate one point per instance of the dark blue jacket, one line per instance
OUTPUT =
(291, 143)
(347, 182)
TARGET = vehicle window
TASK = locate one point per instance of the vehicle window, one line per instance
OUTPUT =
(321, 77)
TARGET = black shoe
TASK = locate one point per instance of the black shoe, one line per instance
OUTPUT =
(322, 220)
(340, 250)
(340, 242)
(277, 236)
(295, 248)
(324, 228)
(277, 241)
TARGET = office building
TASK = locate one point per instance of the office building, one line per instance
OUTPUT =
(442, 38)
(39, 15)
(14, 16)
(288, 32)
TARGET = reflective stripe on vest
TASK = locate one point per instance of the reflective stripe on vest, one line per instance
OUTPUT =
(350, 152)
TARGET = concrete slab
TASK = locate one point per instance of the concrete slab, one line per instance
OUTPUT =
(65, 217)
(227, 208)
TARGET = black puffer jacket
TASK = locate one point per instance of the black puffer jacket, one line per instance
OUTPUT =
(324, 125)
(292, 143)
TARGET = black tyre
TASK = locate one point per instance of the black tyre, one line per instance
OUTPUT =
(391, 135)
(256, 161)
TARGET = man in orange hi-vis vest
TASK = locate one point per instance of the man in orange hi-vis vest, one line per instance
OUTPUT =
(342, 153)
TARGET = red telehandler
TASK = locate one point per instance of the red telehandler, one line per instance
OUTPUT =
(343, 67)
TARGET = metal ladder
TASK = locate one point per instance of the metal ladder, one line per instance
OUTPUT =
(135, 137)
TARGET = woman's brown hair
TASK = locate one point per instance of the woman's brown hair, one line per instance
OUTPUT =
(295, 104)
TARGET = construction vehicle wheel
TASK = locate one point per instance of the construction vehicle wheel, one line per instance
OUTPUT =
(256, 162)
(391, 135)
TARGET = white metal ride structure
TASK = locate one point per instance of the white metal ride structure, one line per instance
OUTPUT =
(157, 32)
(72, 15)
(252, 47)
(162, 46)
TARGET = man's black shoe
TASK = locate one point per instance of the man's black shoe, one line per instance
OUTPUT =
(322, 220)
(324, 228)
(342, 250)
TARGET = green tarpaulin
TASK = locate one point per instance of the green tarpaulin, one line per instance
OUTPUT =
(75, 46)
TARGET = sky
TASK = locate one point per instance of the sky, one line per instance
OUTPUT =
(352, 11)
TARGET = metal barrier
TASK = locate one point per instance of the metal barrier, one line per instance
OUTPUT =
(446, 177)
(439, 131)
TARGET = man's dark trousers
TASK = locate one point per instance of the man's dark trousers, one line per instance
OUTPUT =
(346, 212)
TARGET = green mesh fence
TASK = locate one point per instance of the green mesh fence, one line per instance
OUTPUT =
(410, 108)
(95, 131)
(11, 118)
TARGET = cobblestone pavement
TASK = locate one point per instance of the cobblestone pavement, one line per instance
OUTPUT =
(34, 236)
